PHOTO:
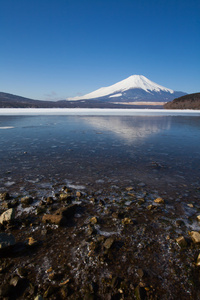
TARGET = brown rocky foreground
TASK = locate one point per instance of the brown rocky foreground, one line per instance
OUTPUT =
(118, 243)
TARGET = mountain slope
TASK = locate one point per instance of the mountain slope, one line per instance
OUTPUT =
(133, 88)
(191, 101)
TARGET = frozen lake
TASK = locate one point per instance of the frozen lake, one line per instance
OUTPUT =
(158, 148)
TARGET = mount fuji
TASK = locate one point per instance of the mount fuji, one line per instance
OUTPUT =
(136, 88)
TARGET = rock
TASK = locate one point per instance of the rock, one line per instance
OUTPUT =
(39, 297)
(159, 200)
(78, 194)
(195, 235)
(190, 205)
(50, 200)
(4, 196)
(181, 241)
(26, 200)
(140, 293)
(129, 188)
(198, 218)
(15, 281)
(7, 216)
(6, 240)
(91, 230)
(151, 207)
(61, 216)
(198, 261)
(54, 219)
(65, 197)
(109, 242)
(32, 242)
(93, 220)
(127, 221)
(67, 212)
(22, 272)
(50, 291)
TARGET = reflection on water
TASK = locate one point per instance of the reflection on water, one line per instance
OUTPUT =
(129, 128)
(161, 151)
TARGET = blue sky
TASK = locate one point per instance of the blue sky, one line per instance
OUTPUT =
(54, 49)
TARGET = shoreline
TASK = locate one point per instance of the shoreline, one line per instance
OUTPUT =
(95, 111)
(77, 242)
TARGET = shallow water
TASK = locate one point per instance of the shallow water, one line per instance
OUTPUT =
(160, 151)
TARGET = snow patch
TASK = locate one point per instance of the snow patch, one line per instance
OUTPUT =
(116, 95)
(7, 127)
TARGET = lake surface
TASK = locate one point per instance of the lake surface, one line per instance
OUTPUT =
(157, 149)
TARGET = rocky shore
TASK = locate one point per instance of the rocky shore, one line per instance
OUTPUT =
(113, 243)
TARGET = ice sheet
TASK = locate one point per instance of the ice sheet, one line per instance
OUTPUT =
(94, 111)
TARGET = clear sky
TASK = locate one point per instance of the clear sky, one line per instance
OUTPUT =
(54, 49)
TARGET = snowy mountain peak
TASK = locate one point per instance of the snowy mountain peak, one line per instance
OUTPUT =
(129, 85)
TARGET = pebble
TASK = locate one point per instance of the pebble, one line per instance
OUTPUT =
(109, 242)
(93, 220)
(159, 200)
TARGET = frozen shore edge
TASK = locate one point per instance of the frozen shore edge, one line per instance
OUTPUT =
(94, 111)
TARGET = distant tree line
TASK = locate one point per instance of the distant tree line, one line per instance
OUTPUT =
(191, 101)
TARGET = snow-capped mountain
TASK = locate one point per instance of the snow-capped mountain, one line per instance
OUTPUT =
(132, 89)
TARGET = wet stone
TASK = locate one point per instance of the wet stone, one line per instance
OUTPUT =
(54, 219)
(32, 242)
(4, 196)
(181, 241)
(198, 261)
(26, 200)
(93, 220)
(195, 235)
(127, 221)
(15, 281)
(159, 200)
(109, 242)
(67, 212)
(78, 194)
(7, 216)
(39, 297)
(140, 293)
(65, 197)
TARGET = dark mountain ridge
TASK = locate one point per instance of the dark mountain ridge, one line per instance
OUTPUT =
(13, 101)
(190, 101)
